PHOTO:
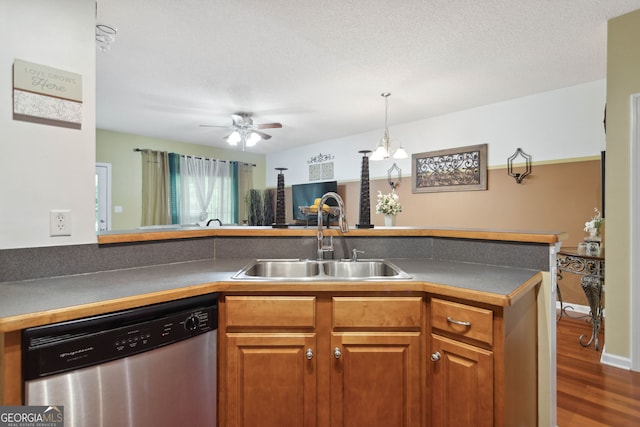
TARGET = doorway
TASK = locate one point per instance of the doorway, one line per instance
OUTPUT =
(103, 196)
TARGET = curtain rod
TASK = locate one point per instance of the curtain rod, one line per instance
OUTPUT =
(196, 157)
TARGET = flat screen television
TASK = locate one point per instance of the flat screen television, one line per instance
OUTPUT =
(306, 194)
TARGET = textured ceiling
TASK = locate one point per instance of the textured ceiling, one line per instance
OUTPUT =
(319, 67)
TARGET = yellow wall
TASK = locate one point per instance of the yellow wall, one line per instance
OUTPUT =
(117, 148)
(623, 80)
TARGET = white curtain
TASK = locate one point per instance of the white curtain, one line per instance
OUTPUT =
(205, 190)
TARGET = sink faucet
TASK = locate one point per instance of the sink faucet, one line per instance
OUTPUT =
(342, 221)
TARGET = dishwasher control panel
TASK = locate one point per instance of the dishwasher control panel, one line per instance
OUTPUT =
(85, 342)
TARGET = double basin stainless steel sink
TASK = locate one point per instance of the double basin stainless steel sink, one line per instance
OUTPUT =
(312, 270)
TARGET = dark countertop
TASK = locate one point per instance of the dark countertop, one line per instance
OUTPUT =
(37, 302)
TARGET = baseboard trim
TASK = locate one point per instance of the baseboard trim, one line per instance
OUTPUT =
(575, 308)
(606, 358)
(615, 361)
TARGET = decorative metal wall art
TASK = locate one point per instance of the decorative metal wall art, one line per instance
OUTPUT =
(455, 169)
(321, 158)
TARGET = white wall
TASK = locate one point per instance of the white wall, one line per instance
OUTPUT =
(555, 125)
(45, 167)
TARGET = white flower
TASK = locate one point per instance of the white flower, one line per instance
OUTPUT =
(388, 204)
(594, 225)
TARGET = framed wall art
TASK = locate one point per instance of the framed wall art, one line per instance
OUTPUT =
(46, 95)
(454, 169)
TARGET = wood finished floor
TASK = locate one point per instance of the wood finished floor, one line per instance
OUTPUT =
(591, 394)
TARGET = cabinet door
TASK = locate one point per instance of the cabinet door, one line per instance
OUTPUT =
(461, 384)
(271, 380)
(375, 379)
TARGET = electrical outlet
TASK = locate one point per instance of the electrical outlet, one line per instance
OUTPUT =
(60, 223)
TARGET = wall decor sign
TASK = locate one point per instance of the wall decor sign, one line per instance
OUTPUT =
(46, 95)
(456, 169)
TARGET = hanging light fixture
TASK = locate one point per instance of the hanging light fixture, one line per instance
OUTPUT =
(105, 34)
(105, 37)
(383, 150)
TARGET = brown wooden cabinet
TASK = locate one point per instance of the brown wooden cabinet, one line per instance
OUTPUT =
(462, 384)
(377, 374)
(341, 361)
(483, 364)
(268, 364)
(270, 381)
(371, 359)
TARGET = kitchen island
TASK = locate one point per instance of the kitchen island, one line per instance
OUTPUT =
(486, 269)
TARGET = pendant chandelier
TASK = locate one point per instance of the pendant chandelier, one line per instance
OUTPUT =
(384, 151)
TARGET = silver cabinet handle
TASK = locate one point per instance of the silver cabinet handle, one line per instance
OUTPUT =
(337, 353)
(435, 356)
(309, 354)
(458, 322)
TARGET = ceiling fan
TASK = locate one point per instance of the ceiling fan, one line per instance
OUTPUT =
(245, 131)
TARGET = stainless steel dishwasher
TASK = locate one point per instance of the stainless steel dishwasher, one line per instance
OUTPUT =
(149, 366)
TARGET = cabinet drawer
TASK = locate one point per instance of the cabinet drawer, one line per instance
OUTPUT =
(271, 312)
(461, 319)
(377, 312)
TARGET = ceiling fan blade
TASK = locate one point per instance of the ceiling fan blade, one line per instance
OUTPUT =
(269, 126)
(214, 126)
(262, 134)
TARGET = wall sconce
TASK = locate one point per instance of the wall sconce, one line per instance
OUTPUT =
(516, 175)
(390, 173)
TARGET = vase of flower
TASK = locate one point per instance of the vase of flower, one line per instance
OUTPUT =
(389, 220)
(389, 206)
(593, 227)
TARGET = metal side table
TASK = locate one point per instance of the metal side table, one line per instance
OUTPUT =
(591, 270)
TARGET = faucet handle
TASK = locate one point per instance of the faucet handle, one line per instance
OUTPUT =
(354, 254)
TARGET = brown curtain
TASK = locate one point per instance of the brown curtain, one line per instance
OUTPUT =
(156, 204)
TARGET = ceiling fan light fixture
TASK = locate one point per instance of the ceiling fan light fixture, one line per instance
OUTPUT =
(234, 138)
(252, 139)
(244, 132)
